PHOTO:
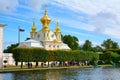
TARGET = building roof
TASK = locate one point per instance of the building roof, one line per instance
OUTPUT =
(31, 43)
(65, 47)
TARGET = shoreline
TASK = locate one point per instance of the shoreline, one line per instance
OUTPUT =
(8, 70)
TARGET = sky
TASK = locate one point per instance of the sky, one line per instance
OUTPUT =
(94, 20)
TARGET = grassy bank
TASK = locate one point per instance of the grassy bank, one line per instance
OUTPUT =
(17, 68)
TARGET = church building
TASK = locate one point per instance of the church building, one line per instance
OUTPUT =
(45, 38)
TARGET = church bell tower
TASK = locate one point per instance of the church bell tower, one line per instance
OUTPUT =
(58, 33)
(45, 20)
(33, 32)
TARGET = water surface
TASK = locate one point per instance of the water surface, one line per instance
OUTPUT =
(65, 74)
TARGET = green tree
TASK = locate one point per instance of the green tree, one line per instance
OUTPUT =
(10, 48)
(115, 45)
(109, 44)
(72, 41)
(110, 57)
(27, 39)
(97, 49)
(87, 46)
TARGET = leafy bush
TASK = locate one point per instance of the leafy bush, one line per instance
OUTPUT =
(38, 54)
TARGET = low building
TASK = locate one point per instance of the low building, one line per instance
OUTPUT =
(8, 59)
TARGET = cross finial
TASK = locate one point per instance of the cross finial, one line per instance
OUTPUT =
(45, 13)
(57, 22)
(33, 21)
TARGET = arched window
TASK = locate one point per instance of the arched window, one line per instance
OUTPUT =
(54, 46)
(47, 34)
(44, 34)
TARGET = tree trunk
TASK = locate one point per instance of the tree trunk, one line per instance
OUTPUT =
(16, 63)
(21, 64)
(36, 64)
(48, 64)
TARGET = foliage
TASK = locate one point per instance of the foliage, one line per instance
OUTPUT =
(29, 54)
(97, 49)
(110, 57)
(109, 44)
(113, 50)
(27, 39)
(37, 54)
(10, 48)
(87, 46)
(72, 41)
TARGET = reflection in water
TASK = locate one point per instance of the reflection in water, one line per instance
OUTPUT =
(0, 76)
(66, 74)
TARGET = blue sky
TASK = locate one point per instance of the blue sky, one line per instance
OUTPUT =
(94, 20)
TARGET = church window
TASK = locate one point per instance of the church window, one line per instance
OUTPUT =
(52, 35)
(38, 35)
(59, 36)
(49, 45)
(47, 35)
(44, 34)
(54, 46)
(57, 46)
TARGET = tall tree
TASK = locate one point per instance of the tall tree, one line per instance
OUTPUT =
(115, 45)
(97, 48)
(10, 48)
(87, 46)
(72, 41)
(109, 44)
(27, 38)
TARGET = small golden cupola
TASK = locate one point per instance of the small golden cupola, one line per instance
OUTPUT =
(57, 27)
(33, 32)
(33, 27)
(45, 20)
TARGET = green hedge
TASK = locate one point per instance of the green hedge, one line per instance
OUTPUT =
(37, 54)
(110, 57)
(113, 50)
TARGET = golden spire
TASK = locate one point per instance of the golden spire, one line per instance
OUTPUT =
(45, 12)
(57, 26)
(33, 26)
(45, 20)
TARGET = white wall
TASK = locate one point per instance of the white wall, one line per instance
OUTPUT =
(9, 58)
(1, 45)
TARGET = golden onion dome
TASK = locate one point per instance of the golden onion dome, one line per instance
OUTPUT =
(57, 27)
(45, 18)
(33, 26)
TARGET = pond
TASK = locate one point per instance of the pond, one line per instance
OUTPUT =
(65, 74)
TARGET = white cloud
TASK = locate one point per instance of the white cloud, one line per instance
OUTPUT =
(86, 6)
(7, 6)
(36, 4)
(78, 33)
(106, 23)
(90, 7)
(104, 15)
(76, 24)
(14, 19)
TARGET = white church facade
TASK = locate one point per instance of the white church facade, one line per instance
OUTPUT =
(45, 38)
